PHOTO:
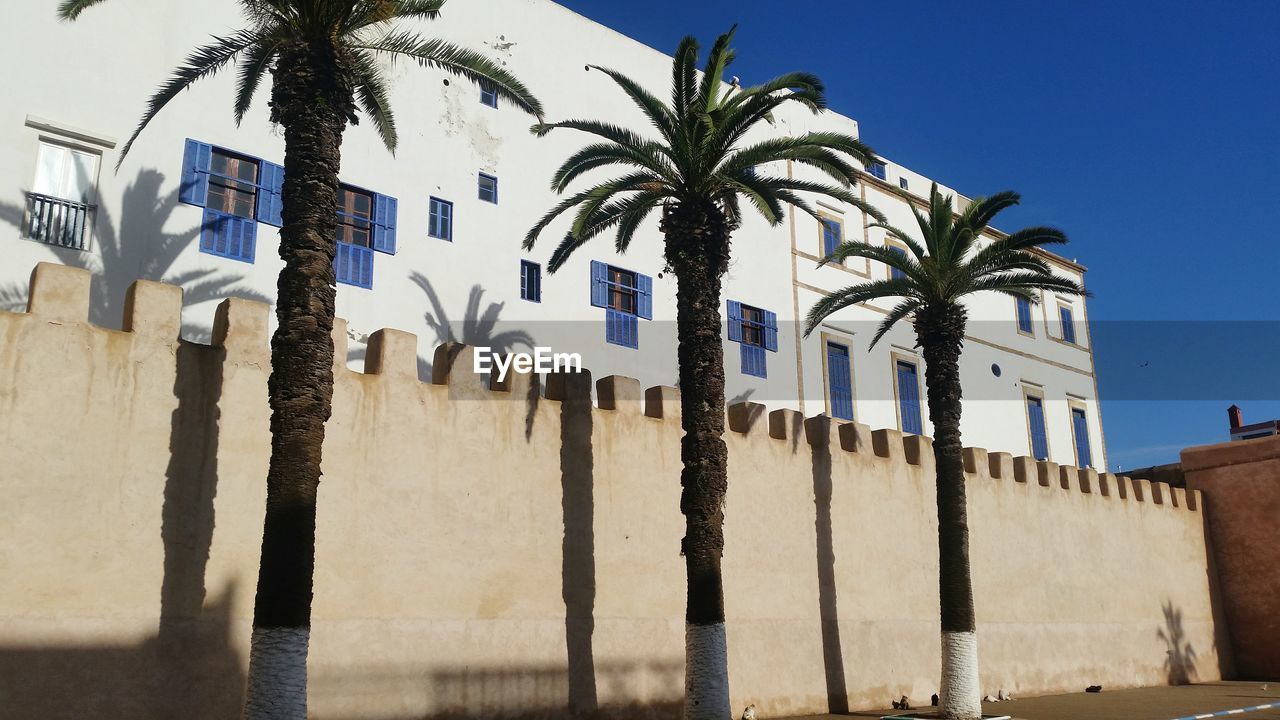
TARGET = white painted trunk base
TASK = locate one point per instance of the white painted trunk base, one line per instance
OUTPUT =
(960, 696)
(706, 673)
(277, 686)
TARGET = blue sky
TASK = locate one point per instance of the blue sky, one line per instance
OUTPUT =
(1149, 132)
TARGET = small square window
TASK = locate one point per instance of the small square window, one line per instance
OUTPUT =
(489, 188)
(530, 281)
(902, 183)
(488, 95)
(878, 169)
(440, 219)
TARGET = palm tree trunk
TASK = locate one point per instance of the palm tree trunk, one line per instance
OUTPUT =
(940, 333)
(311, 98)
(697, 248)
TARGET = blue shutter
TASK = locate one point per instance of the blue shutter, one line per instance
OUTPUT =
(735, 321)
(599, 284)
(228, 236)
(1084, 458)
(195, 173)
(753, 360)
(270, 192)
(895, 273)
(644, 296)
(622, 329)
(840, 380)
(1024, 314)
(384, 224)
(909, 398)
(353, 265)
(770, 331)
(1068, 326)
(1039, 439)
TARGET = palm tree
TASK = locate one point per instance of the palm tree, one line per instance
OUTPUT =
(932, 280)
(324, 60)
(697, 171)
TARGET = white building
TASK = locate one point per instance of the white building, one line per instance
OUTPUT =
(68, 110)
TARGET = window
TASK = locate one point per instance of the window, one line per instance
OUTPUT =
(488, 95)
(895, 273)
(902, 183)
(236, 191)
(489, 188)
(60, 205)
(756, 331)
(909, 398)
(355, 216)
(840, 381)
(530, 281)
(832, 235)
(440, 219)
(1080, 429)
(878, 169)
(1068, 324)
(233, 184)
(1035, 423)
(1023, 307)
(626, 296)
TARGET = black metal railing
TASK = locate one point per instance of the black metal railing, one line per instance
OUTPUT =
(59, 222)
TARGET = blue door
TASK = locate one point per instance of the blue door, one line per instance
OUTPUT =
(1039, 438)
(840, 380)
(909, 398)
(1080, 423)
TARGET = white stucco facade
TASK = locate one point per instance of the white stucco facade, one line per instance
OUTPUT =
(90, 92)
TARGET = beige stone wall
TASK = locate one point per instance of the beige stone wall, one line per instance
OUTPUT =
(478, 557)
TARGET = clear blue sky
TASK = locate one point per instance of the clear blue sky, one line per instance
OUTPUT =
(1149, 132)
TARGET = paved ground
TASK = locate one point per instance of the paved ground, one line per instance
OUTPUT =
(1157, 703)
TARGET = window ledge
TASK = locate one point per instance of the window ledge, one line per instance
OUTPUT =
(58, 128)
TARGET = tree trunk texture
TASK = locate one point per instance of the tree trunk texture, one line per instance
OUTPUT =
(940, 333)
(697, 249)
(312, 99)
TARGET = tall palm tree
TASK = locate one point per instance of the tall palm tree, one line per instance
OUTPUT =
(932, 281)
(698, 170)
(324, 60)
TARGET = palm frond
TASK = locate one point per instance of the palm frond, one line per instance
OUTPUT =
(373, 96)
(71, 9)
(899, 311)
(202, 62)
(458, 61)
(257, 61)
(845, 297)
(653, 108)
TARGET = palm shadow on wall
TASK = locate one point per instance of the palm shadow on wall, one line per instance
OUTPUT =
(135, 248)
(1180, 660)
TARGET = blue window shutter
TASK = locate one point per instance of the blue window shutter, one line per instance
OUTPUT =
(735, 321)
(840, 381)
(353, 265)
(384, 224)
(633, 330)
(1068, 325)
(228, 236)
(770, 331)
(753, 360)
(1039, 438)
(621, 329)
(830, 236)
(644, 296)
(1084, 458)
(909, 399)
(270, 192)
(195, 173)
(599, 284)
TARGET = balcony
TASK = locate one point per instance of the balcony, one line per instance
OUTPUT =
(55, 221)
